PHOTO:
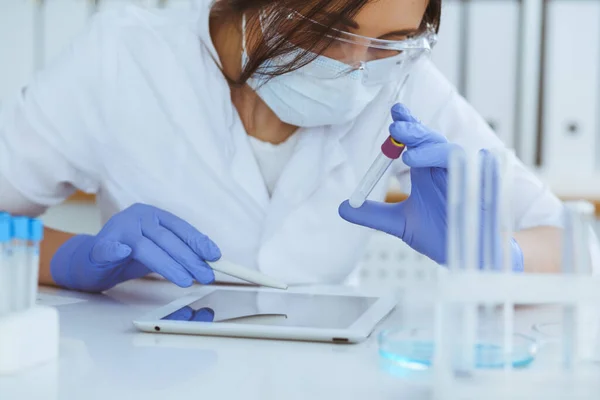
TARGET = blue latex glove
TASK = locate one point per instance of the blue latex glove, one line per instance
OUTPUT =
(133, 243)
(421, 221)
(189, 314)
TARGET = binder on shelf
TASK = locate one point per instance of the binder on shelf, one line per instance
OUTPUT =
(492, 63)
(571, 97)
(17, 34)
(167, 4)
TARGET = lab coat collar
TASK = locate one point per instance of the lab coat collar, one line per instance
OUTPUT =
(301, 177)
(245, 170)
(319, 151)
(204, 7)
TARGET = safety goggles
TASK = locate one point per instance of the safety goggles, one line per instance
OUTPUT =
(375, 61)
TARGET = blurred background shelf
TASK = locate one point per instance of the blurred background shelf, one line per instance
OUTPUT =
(530, 67)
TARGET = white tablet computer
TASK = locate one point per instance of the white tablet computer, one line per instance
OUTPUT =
(271, 314)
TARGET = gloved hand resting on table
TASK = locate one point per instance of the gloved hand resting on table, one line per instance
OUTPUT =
(187, 313)
(421, 221)
(138, 240)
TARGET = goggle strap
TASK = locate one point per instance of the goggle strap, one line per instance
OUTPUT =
(244, 33)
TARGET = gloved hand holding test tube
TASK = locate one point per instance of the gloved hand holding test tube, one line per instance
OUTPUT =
(421, 221)
(390, 150)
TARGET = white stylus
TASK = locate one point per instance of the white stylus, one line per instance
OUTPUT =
(248, 275)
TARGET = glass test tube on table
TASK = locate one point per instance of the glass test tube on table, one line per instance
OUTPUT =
(20, 239)
(5, 267)
(20, 235)
(29, 333)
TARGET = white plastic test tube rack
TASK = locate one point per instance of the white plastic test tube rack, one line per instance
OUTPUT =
(478, 278)
(28, 333)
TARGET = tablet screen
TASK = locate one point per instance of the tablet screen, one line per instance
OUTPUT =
(273, 308)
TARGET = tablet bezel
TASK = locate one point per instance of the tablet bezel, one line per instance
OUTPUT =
(357, 332)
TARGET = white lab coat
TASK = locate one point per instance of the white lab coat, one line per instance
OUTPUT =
(137, 110)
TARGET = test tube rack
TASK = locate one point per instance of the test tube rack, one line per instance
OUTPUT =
(468, 287)
(29, 333)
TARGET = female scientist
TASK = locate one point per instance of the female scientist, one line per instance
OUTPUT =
(238, 130)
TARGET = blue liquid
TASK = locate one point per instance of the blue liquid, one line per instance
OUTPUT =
(418, 355)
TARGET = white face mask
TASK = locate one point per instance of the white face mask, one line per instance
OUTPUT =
(309, 97)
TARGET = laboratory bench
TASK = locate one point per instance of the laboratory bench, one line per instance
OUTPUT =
(102, 356)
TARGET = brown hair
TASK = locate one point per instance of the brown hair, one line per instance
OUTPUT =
(282, 36)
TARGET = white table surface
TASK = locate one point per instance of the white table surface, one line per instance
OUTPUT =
(104, 357)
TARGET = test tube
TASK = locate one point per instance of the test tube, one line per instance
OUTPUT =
(456, 208)
(20, 236)
(471, 235)
(390, 151)
(463, 206)
(479, 181)
(489, 191)
(504, 171)
(36, 234)
(5, 270)
(576, 260)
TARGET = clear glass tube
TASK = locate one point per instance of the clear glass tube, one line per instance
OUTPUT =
(33, 264)
(490, 207)
(370, 180)
(576, 260)
(5, 265)
(19, 269)
(456, 209)
(5, 287)
(476, 240)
